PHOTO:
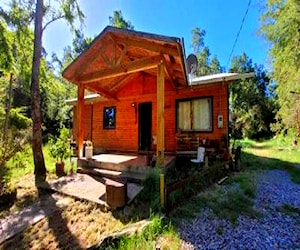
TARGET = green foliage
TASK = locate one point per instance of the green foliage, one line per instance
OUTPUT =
(252, 101)
(280, 27)
(16, 140)
(158, 234)
(229, 201)
(150, 192)
(60, 148)
(19, 165)
(117, 20)
(277, 153)
(206, 65)
(5, 48)
(18, 120)
(288, 209)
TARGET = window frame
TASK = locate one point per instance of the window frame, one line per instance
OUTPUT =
(105, 125)
(190, 100)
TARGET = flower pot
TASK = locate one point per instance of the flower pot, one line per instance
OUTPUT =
(88, 152)
(60, 168)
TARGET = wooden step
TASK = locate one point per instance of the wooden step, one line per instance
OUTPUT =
(111, 174)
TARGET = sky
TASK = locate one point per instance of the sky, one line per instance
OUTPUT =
(220, 19)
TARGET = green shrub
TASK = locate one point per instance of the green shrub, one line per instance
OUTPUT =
(150, 192)
(60, 147)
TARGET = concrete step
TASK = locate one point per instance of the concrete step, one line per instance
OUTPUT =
(111, 174)
(113, 166)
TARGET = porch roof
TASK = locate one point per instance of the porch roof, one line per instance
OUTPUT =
(197, 81)
(117, 56)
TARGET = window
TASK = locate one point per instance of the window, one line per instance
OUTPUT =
(195, 114)
(109, 117)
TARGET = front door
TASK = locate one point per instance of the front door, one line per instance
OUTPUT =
(145, 126)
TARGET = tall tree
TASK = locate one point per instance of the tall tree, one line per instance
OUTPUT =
(117, 20)
(69, 11)
(281, 27)
(39, 163)
(252, 103)
(206, 65)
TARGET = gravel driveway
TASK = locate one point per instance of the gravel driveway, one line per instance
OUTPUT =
(275, 229)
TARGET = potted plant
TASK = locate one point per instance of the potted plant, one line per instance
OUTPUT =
(60, 150)
(88, 150)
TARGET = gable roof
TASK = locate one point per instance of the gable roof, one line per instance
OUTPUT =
(117, 56)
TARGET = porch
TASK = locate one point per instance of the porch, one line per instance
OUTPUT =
(129, 166)
(110, 179)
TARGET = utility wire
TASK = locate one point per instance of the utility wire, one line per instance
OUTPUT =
(238, 34)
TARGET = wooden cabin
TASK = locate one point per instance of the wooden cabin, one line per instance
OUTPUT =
(144, 99)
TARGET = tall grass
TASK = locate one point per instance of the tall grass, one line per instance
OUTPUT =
(159, 234)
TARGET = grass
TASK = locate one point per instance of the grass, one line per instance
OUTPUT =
(159, 234)
(22, 164)
(228, 202)
(266, 155)
(288, 209)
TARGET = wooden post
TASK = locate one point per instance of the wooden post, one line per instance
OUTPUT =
(162, 190)
(160, 126)
(80, 120)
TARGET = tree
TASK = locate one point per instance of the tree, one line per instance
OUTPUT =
(117, 20)
(205, 65)
(280, 27)
(39, 163)
(252, 101)
(69, 11)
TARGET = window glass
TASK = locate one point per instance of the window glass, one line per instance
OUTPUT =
(109, 117)
(184, 110)
(202, 114)
(195, 114)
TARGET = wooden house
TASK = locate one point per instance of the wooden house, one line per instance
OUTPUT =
(144, 99)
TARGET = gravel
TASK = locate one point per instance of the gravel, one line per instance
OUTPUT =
(274, 229)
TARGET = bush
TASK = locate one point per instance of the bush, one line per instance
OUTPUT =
(150, 193)
(60, 148)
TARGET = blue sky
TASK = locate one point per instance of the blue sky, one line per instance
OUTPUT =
(221, 20)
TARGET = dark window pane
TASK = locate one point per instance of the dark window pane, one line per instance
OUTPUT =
(109, 117)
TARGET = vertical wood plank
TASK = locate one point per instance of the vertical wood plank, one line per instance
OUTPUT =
(160, 128)
(162, 190)
(80, 120)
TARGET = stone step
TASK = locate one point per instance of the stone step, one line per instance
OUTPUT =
(111, 174)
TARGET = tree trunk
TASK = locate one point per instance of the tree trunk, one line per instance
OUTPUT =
(7, 113)
(39, 163)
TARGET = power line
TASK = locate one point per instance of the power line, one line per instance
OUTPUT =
(238, 34)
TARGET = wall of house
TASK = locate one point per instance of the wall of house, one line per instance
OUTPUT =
(143, 89)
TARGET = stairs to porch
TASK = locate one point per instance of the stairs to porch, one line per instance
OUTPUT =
(133, 168)
(112, 174)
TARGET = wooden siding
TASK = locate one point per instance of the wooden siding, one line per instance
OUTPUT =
(143, 89)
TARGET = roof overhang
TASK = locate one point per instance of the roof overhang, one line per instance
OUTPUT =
(88, 99)
(221, 77)
(117, 56)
